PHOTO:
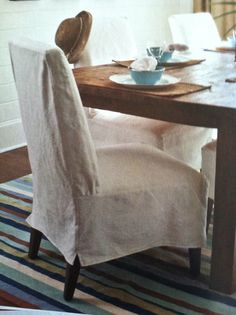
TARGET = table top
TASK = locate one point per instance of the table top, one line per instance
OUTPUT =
(207, 108)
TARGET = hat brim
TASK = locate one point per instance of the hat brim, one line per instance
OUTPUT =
(79, 45)
(68, 33)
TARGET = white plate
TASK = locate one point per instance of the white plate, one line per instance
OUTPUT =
(226, 48)
(126, 80)
(226, 44)
(177, 59)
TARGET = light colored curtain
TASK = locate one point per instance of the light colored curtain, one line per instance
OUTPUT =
(201, 5)
(224, 13)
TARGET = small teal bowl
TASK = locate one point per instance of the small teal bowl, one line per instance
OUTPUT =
(147, 77)
(167, 55)
(155, 52)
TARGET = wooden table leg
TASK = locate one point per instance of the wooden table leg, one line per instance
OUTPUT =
(223, 262)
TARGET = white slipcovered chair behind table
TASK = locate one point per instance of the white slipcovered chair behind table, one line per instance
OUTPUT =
(97, 204)
(209, 170)
(197, 30)
(111, 38)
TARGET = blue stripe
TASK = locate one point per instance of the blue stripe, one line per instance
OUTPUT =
(24, 182)
(26, 237)
(134, 265)
(12, 192)
(15, 224)
(23, 249)
(189, 289)
(164, 267)
(19, 185)
(52, 292)
(37, 294)
(120, 303)
(15, 209)
(204, 293)
(13, 217)
(162, 263)
(148, 301)
(39, 269)
(14, 247)
(81, 287)
(29, 298)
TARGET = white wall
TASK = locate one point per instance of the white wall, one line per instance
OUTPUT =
(40, 19)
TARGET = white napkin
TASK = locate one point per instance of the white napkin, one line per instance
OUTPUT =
(144, 64)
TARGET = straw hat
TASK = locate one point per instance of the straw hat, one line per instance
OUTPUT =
(72, 35)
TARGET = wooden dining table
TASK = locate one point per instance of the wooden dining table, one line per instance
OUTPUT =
(214, 106)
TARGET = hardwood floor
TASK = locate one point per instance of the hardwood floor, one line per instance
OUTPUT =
(14, 164)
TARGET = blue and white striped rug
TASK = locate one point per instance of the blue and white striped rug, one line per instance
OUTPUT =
(152, 282)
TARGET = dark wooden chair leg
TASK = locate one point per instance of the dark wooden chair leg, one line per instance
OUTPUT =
(35, 239)
(195, 261)
(72, 273)
(209, 212)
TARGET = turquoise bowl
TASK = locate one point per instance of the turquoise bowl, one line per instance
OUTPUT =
(147, 77)
(167, 55)
(155, 52)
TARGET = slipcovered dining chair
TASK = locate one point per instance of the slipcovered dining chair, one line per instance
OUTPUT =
(197, 30)
(100, 204)
(209, 171)
(112, 38)
(209, 165)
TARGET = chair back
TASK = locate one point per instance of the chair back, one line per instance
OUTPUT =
(110, 38)
(197, 30)
(61, 150)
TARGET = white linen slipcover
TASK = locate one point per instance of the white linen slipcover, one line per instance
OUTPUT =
(112, 38)
(181, 141)
(197, 30)
(100, 204)
(209, 165)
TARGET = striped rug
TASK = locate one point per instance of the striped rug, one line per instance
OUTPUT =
(152, 282)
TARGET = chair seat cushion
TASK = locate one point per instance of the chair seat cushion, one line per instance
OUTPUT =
(181, 141)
